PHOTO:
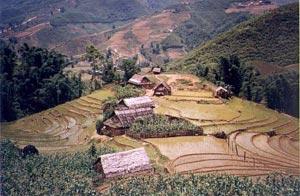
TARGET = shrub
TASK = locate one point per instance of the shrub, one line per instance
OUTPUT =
(99, 125)
(210, 184)
(57, 174)
(271, 133)
(162, 126)
(221, 135)
(30, 150)
(127, 92)
(108, 107)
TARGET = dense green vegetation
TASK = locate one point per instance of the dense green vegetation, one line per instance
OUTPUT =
(206, 185)
(279, 91)
(128, 91)
(162, 126)
(273, 37)
(57, 174)
(103, 64)
(282, 92)
(32, 80)
(208, 19)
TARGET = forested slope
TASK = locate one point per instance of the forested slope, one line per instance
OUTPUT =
(273, 37)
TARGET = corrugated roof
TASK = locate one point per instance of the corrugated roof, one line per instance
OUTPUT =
(122, 163)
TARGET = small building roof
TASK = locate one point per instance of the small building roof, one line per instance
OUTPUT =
(221, 88)
(164, 84)
(156, 70)
(138, 102)
(137, 79)
(127, 162)
(127, 117)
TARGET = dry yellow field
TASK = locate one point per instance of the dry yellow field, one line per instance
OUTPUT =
(178, 146)
(69, 126)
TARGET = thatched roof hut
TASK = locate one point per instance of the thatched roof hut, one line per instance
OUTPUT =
(127, 111)
(162, 89)
(125, 163)
(127, 117)
(136, 102)
(222, 92)
(139, 80)
(156, 70)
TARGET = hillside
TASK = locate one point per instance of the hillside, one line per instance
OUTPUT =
(272, 38)
(249, 150)
(48, 23)
(163, 36)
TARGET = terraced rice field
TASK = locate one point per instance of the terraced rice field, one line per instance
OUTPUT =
(66, 127)
(242, 154)
(215, 115)
(122, 143)
(248, 151)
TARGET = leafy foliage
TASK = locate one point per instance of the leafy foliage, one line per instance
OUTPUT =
(206, 185)
(130, 68)
(109, 107)
(57, 174)
(32, 80)
(208, 19)
(127, 91)
(162, 126)
(280, 91)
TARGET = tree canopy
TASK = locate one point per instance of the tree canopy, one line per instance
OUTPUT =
(32, 80)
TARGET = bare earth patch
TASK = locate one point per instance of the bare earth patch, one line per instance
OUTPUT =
(256, 10)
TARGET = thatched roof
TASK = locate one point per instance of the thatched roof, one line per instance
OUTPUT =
(138, 79)
(164, 85)
(138, 102)
(156, 70)
(127, 162)
(127, 117)
(220, 88)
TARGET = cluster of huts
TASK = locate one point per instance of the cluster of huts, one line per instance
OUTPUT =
(134, 161)
(127, 111)
(160, 89)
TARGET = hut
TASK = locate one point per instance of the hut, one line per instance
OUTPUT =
(156, 70)
(123, 164)
(135, 102)
(139, 80)
(162, 89)
(222, 93)
(127, 111)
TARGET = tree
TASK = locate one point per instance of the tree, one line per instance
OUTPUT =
(230, 72)
(130, 68)
(109, 107)
(32, 80)
(108, 72)
(94, 56)
(201, 70)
